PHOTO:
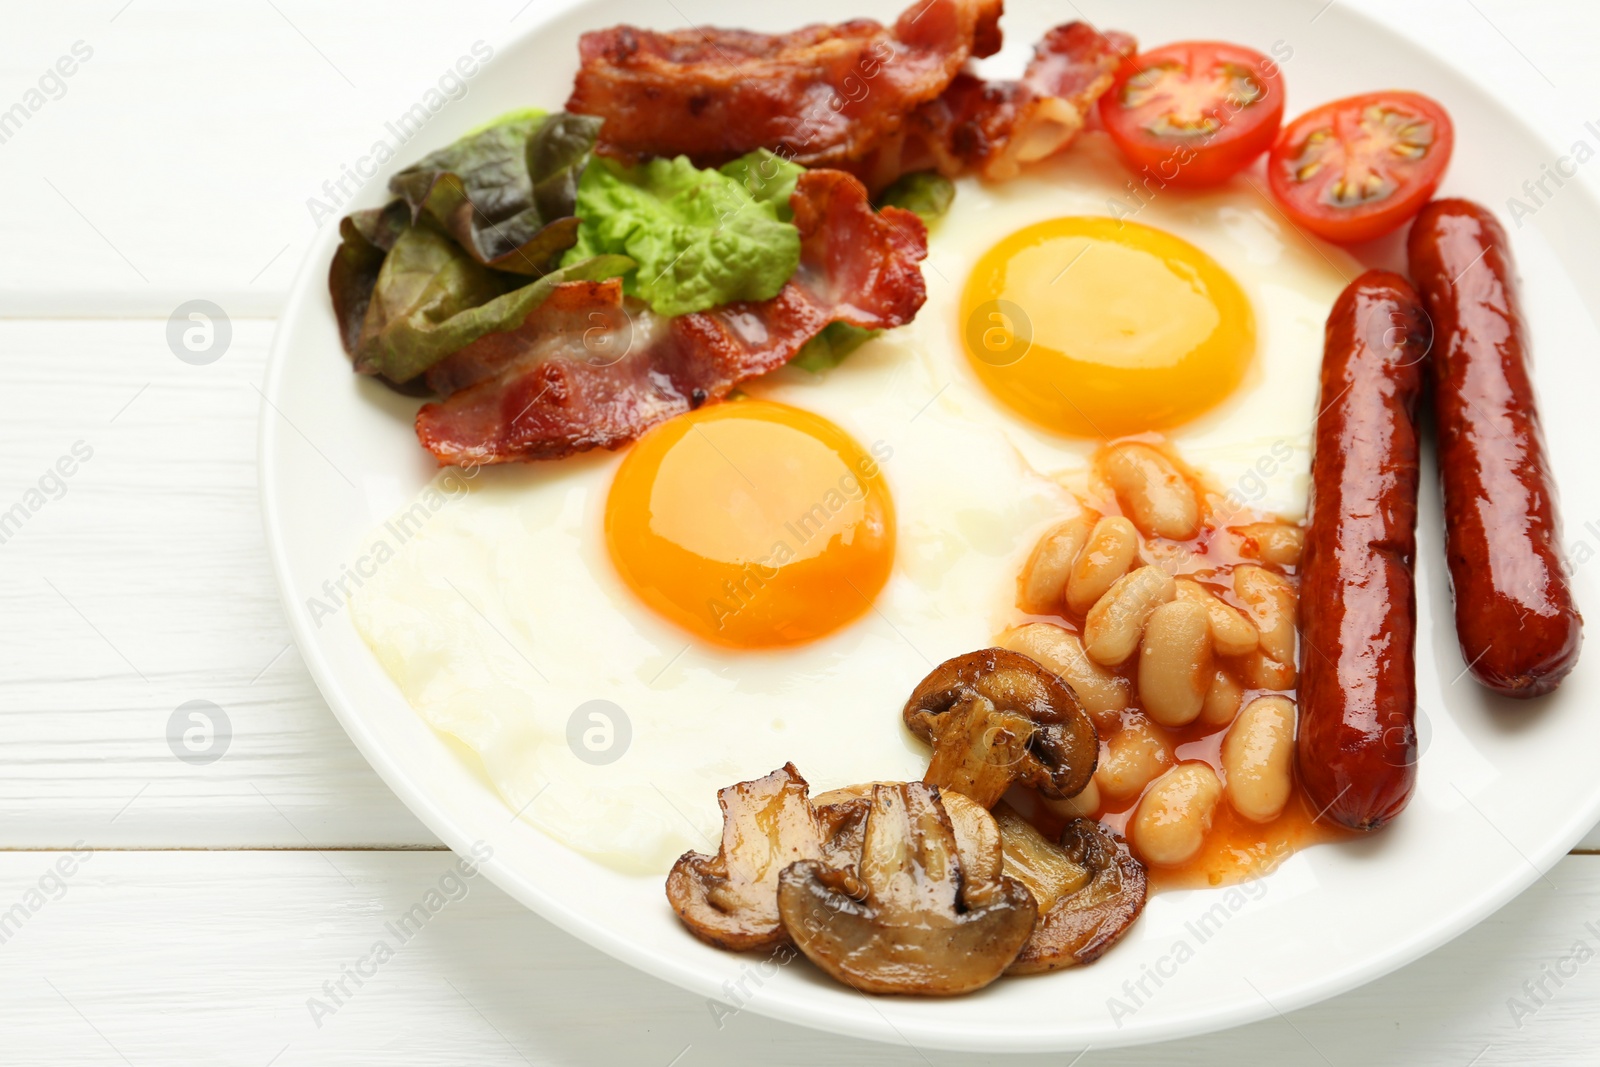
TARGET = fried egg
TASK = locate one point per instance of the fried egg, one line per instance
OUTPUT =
(765, 580)
(1147, 333)
(870, 542)
(1074, 304)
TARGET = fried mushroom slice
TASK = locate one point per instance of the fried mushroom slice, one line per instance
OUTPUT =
(843, 814)
(908, 917)
(731, 899)
(995, 717)
(1089, 890)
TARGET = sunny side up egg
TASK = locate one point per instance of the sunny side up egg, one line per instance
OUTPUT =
(1194, 314)
(752, 524)
(618, 636)
(526, 601)
(1101, 327)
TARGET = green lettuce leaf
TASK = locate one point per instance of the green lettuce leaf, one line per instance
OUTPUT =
(450, 259)
(506, 191)
(431, 299)
(700, 237)
(365, 239)
(767, 177)
(827, 349)
(926, 192)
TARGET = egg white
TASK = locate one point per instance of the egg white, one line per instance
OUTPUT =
(501, 615)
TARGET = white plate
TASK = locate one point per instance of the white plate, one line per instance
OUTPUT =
(1504, 789)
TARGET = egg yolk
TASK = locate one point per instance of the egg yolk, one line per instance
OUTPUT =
(752, 524)
(1096, 327)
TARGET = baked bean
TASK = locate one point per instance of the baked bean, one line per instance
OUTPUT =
(1270, 599)
(1278, 543)
(1175, 663)
(1222, 699)
(1257, 757)
(1261, 671)
(1104, 695)
(1152, 491)
(1231, 632)
(1132, 759)
(1082, 806)
(1175, 815)
(1112, 629)
(1112, 547)
(1043, 586)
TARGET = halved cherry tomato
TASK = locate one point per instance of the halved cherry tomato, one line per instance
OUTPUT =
(1358, 168)
(1195, 112)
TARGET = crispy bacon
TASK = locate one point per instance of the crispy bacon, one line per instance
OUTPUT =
(874, 101)
(590, 368)
(583, 320)
(822, 95)
(993, 127)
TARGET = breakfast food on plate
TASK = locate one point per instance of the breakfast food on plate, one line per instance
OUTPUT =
(731, 899)
(876, 101)
(1359, 168)
(1195, 113)
(541, 391)
(1508, 573)
(861, 386)
(918, 911)
(1087, 886)
(684, 566)
(820, 96)
(1193, 326)
(996, 717)
(680, 285)
(1358, 698)
(992, 127)
(916, 887)
(738, 625)
(891, 887)
(1171, 614)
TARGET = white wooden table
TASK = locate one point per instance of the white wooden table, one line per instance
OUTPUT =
(158, 911)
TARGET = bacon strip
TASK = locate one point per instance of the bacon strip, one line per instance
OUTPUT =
(993, 127)
(591, 369)
(822, 95)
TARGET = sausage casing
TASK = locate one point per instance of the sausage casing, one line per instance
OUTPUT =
(1357, 745)
(1515, 617)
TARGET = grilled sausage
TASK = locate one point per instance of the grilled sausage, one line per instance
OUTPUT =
(1357, 743)
(1515, 617)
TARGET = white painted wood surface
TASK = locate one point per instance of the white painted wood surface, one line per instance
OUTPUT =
(175, 164)
(146, 585)
(215, 957)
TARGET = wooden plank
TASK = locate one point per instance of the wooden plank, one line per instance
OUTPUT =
(208, 958)
(142, 583)
(177, 159)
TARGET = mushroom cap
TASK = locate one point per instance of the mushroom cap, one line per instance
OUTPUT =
(995, 717)
(1089, 889)
(908, 917)
(731, 899)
